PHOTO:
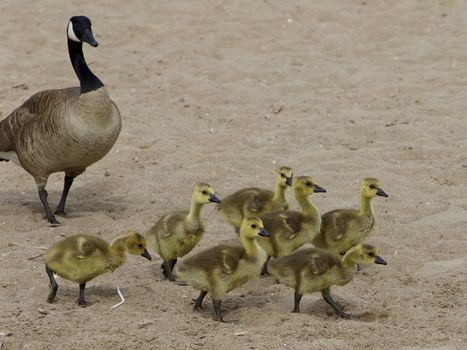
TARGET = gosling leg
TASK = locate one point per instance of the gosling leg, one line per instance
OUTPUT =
(217, 309)
(43, 197)
(264, 271)
(297, 297)
(66, 188)
(53, 284)
(199, 301)
(170, 267)
(81, 300)
(326, 293)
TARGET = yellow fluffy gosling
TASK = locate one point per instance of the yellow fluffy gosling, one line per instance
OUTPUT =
(341, 229)
(256, 201)
(222, 268)
(291, 229)
(313, 269)
(177, 233)
(80, 258)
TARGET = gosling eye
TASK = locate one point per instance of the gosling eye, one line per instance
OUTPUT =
(372, 186)
(204, 192)
(308, 183)
(371, 254)
(282, 175)
(140, 245)
(254, 226)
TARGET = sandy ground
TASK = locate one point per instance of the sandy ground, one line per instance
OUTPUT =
(224, 92)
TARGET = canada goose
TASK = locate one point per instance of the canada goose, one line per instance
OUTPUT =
(63, 130)
(341, 229)
(177, 233)
(222, 268)
(256, 201)
(291, 229)
(80, 258)
(313, 269)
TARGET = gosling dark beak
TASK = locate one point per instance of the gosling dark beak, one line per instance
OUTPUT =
(89, 38)
(264, 233)
(379, 260)
(288, 180)
(146, 254)
(381, 193)
(318, 189)
(213, 198)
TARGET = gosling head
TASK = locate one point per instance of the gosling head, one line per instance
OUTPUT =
(79, 30)
(305, 186)
(252, 227)
(204, 193)
(285, 176)
(135, 244)
(364, 254)
(371, 188)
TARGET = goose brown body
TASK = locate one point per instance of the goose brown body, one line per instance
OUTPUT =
(342, 229)
(60, 130)
(256, 201)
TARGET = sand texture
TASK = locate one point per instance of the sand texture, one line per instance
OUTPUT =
(225, 92)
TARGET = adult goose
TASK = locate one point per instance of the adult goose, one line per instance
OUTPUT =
(63, 130)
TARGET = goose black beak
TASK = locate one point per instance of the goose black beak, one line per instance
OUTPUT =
(213, 198)
(319, 189)
(146, 254)
(89, 38)
(264, 233)
(381, 193)
(380, 260)
(288, 180)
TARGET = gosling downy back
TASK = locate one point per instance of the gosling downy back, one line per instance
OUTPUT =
(64, 130)
(255, 201)
(342, 229)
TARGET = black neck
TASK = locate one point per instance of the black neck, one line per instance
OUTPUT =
(88, 81)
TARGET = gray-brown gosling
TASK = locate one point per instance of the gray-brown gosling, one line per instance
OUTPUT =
(177, 233)
(222, 268)
(63, 130)
(256, 201)
(341, 229)
(291, 229)
(313, 269)
(80, 258)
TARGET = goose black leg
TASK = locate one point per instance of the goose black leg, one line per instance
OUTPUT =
(326, 293)
(53, 284)
(43, 197)
(199, 301)
(81, 300)
(66, 188)
(297, 297)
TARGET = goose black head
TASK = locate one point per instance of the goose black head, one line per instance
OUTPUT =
(79, 30)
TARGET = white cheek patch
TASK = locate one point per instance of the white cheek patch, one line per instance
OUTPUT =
(71, 33)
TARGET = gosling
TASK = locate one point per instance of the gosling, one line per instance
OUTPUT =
(80, 258)
(177, 233)
(313, 269)
(222, 268)
(256, 201)
(342, 229)
(290, 229)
